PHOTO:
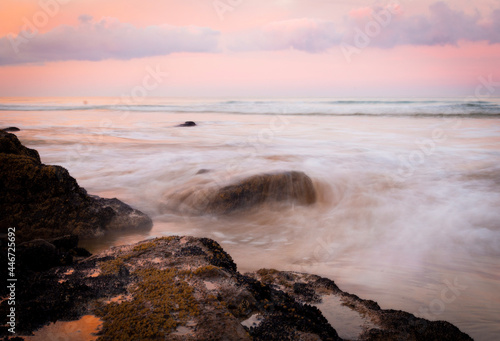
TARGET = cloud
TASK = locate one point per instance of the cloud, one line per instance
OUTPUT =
(384, 27)
(104, 39)
(441, 26)
(310, 35)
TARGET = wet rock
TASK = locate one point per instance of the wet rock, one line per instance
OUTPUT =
(44, 201)
(295, 187)
(40, 255)
(125, 216)
(218, 256)
(392, 325)
(173, 284)
(66, 243)
(11, 129)
(10, 144)
(189, 289)
(187, 124)
(305, 293)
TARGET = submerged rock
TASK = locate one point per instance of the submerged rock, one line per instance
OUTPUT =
(189, 288)
(203, 171)
(292, 186)
(44, 201)
(187, 124)
(11, 129)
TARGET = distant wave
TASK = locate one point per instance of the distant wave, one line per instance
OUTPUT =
(417, 108)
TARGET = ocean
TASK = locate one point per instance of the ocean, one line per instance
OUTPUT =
(409, 189)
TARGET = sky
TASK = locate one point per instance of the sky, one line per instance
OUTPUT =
(248, 48)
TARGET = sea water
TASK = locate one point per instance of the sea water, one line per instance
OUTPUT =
(408, 189)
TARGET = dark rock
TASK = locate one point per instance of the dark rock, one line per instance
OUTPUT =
(391, 325)
(11, 129)
(305, 292)
(191, 251)
(125, 216)
(65, 242)
(296, 187)
(81, 252)
(202, 171)
(187, 124)
(9, 144)
(38, 255)
(218, 257)
(172, 282)
(44, 201)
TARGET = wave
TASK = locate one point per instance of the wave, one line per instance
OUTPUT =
(418, 108)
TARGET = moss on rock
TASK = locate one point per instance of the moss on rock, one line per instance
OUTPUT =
(161, 301)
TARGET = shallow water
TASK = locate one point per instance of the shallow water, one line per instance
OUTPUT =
(84, 329)
(407, 212)
(348, 323)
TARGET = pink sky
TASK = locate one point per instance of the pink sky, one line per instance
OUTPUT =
(248, 48)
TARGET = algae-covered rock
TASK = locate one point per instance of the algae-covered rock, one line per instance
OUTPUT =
(186, 288)
(43, 201)
(164, 289)
(379, 324)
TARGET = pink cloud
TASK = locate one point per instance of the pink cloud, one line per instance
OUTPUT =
(384, 27)
(110, 38)
(388, 27)
(360, 13)
(107, 38)
(305, 34)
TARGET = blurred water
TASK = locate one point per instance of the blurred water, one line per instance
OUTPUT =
(407, 212)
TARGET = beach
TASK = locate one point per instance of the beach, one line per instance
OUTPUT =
(408, 189)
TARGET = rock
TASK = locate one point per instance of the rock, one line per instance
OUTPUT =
(176, 284)
(187, 124)
(11, 129)
(40, 255)
(295, 187)
(44, 201)
(392, 325)
(9, 144)
(66, 243)
(189, 288)
(202, 171)
(125, 215)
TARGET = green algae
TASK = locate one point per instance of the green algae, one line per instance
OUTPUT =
(161, 301)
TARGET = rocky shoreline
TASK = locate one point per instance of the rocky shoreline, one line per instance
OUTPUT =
(44, 201)
(175, 288)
